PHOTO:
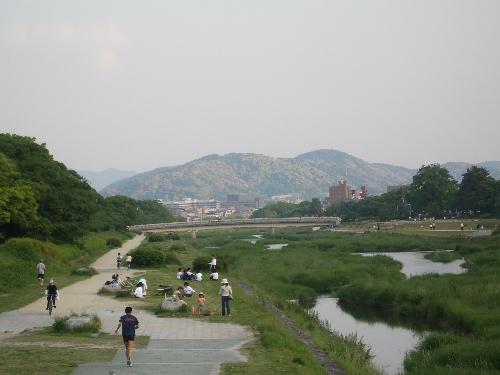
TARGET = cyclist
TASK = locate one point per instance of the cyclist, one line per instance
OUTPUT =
(52, 293)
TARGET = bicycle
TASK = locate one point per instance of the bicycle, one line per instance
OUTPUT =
(50, 302)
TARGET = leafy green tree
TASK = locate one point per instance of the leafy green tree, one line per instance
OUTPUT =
(316, 208)
(433, 190)
(18, 205)
(477, 191)
(65, 201)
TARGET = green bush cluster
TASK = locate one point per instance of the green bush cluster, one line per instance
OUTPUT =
(114, 242)
(61, 325)
(156, 237)
(153, 256)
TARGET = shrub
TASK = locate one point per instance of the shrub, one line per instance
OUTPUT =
(61, 324)
(84, 271)
(173, 236)
(171, 258)
(201, 263)
(113, 242)
(180, 248)
(148, 256)
(156, 237)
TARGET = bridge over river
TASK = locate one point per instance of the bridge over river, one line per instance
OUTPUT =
(330, 221)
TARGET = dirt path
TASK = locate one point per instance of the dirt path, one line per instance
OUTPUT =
(82, 295)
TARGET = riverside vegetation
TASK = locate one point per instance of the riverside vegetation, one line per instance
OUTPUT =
(461, 311)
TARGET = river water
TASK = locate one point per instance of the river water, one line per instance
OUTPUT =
(388, 343)
(414, 263)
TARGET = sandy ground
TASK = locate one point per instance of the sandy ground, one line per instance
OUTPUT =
(82, 295)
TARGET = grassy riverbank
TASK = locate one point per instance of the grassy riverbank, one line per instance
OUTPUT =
(19, 257)
(463, 309)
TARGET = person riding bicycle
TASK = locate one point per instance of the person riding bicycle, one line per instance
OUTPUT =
(52, 293)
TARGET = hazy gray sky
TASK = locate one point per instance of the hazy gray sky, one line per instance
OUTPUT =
(139, 85)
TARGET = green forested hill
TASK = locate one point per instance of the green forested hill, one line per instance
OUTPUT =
(251, 175)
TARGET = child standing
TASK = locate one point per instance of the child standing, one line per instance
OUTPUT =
(201, 303)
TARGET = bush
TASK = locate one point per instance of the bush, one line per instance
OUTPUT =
(148, 256)
(84, 271)
(200, 264)
(156, 237)
(61, 324)
(173, 236)
(180, 248)
(171, 258)
(113, 242)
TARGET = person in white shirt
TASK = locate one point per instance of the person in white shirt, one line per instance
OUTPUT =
(144, 283)
(179, 274)
(213, 264)
(214, 276)
(226, 293)
(188, 291)
(199, 276)
(139, 292)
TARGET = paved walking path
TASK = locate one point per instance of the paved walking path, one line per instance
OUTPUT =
(177, 346)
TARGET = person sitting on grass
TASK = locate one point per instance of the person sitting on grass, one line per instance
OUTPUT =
(178, 294)
(188, 291)
(179, 274)
(214, 276)
(139, 291)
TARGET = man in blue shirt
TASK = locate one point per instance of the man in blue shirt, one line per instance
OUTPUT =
(129, 324)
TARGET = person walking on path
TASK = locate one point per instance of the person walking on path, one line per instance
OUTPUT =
(129, 324)
(40, 269)
(129, 261)
(118, 261)
(226, 293)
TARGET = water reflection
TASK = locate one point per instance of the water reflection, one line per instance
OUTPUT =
(276, 246)
(388, 344)
(415, 264)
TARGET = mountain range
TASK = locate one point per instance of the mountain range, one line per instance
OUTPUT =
(252, 175)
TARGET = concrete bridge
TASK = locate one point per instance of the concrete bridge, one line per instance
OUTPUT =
(330, 221)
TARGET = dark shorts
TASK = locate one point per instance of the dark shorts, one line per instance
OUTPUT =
(128, 338)
(41, 275)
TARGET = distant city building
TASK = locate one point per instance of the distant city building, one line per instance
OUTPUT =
(344, 192)
(189, 205)
(288, 198)
(340, 193)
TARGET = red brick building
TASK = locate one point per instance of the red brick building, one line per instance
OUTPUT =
(340, 193)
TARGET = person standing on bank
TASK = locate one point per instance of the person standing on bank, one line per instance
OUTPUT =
(226, 293)
(40, 269)
(129, 324)
(118, 261)
(129, 261)
(213, 264)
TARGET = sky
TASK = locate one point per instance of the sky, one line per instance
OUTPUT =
(140, 85)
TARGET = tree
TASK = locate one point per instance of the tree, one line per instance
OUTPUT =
(433, 190)
(477, 191)
(316, 208)
(65, 201)
(18, 205)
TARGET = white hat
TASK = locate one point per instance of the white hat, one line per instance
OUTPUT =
(224, 281)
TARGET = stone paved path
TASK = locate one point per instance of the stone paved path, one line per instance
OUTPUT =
(177, 346)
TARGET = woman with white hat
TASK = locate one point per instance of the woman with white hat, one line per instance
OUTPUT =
(226, 294)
